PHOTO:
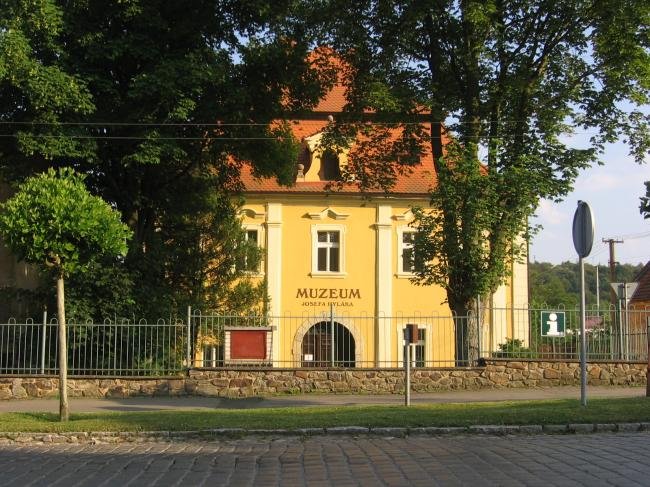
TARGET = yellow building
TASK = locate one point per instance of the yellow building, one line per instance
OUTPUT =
(339, 264)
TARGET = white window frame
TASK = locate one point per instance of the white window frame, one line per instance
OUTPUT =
(401, 246)
(314, 250)
(260, 238)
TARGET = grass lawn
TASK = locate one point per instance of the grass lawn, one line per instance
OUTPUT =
(636, 409)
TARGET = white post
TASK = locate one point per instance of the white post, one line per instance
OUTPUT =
(597, 292)
(43, 335)
(384, 286)
(188, 353)
(621, 353)
(273, 262)
(407, 366)
(64, 411)
(479, 329)
(333, 342)
(407, 391)
(583, 338)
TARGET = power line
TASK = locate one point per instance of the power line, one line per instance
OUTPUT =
(249, 124)
(634, 236)
(144, 137)
(145, 124)
(594, 254)
(152, 139)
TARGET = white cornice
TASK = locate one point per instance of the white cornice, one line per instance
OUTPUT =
(249, 212)
(321, 215)
(407, 216)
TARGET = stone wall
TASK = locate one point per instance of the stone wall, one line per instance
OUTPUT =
(252, 382)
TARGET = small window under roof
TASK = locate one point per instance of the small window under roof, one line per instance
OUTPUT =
(330, 170)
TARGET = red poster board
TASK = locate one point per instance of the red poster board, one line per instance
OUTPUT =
(248, 344)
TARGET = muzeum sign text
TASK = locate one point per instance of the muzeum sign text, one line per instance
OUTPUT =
(323, 296)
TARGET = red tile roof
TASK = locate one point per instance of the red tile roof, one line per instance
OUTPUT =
(416, 180)
(333, 102)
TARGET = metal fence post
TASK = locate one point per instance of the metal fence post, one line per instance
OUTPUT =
(332, 340)
(479, 330)
(43, 335)
(620, 331)
(188, 355)
(115, 347)
(407, 371)
(647, 374)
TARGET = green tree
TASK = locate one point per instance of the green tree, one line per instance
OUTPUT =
(559, 285)
(37, 93)
(160, 77)
(644, 207)
(501, 81)
(56, 224)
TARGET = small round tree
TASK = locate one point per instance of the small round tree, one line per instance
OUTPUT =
(54, 223)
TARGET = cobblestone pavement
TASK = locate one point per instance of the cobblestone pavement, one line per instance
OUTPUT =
(544, 460)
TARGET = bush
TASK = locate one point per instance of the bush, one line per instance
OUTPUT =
(514, 348)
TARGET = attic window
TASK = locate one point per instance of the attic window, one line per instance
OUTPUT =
(304, 158)
(330, 170)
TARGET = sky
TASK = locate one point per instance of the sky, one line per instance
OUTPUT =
(612, 191)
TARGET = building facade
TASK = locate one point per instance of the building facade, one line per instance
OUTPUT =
(339, 266)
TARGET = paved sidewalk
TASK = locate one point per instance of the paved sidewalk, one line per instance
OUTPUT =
(158, 403)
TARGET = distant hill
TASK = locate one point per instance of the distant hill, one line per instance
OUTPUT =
(560, 284)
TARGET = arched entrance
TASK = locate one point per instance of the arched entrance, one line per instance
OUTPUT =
(328, 344)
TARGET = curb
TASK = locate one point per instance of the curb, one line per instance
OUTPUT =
(101, 437)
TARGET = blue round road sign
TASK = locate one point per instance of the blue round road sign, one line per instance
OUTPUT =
(583, 229)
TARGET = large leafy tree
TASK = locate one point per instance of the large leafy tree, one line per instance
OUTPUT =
(644, 207)
(490, 88)
(180, 95)
(558, 285)
(54, 222)
(37, 93)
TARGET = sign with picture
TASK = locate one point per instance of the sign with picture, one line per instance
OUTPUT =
(553, 323)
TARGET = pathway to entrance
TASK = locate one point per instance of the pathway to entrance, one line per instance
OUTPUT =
(545, 460)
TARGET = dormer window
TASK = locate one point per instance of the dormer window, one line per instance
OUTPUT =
(329, 166)
(304, 158)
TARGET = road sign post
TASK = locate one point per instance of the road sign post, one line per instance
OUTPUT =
(583, 241)
(624, 292)
(410, 337)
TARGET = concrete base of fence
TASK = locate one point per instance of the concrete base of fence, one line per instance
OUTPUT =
(495, 373)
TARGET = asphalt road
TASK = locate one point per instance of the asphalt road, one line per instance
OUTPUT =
(618, 459)
(158, 403)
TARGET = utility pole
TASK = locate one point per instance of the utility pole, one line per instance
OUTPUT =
(612, 266)
(597, 291)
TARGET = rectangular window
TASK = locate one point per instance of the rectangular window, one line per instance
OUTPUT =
(328, 251)
(407, 252)
(246, 261)
(407, 258)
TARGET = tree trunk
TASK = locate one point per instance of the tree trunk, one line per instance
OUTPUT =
(466, 335)
(64, 412)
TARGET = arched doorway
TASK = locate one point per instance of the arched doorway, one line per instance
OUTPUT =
(328, 344)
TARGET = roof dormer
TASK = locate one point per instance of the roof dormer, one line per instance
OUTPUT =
(317, 163)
